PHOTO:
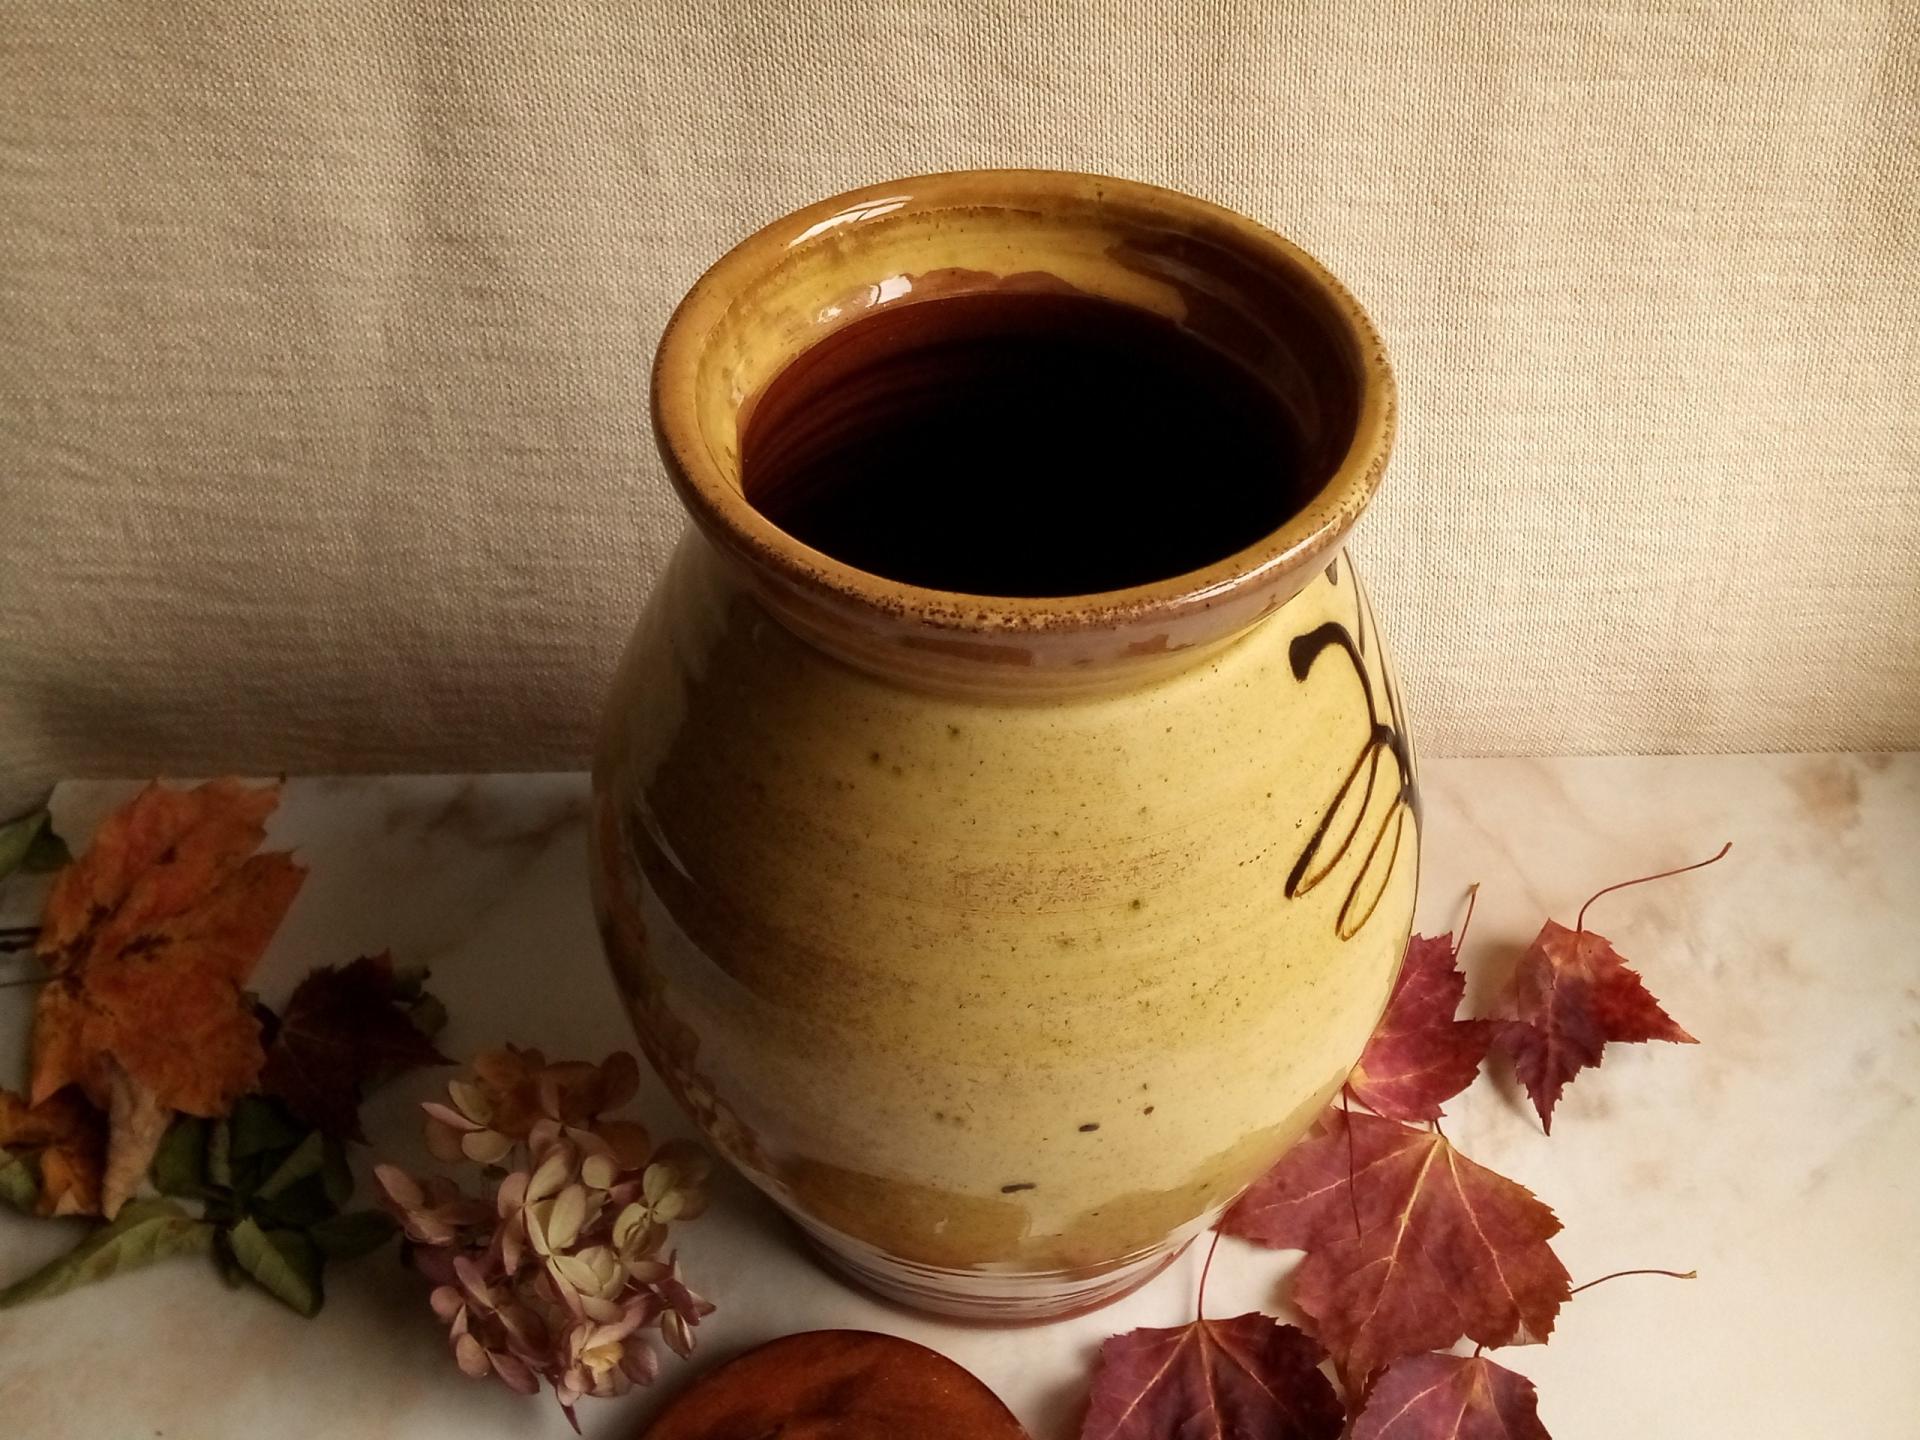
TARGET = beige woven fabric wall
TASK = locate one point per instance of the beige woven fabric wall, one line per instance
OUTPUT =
(324, 333)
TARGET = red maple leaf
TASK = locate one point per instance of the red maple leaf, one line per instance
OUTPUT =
(1450, 1397)
(1248, 1378)
(344, 1028)
(1410, 1245)
(1569, 996)
(1420, 1055)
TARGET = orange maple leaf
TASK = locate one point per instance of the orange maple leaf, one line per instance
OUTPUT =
(151, 936)
(69, 1139)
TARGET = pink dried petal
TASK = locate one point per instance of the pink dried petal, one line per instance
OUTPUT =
(689, 1306)
(536, 1228)
(512, 1193)
(645, 1304)
(476, 1284)
(451, 1118)
(649, 1272)
(688, 1158)
(625, 1140)
(447, 1301)
(608, 1331)
(434, 1264)
(599, 1171)
(507, 1066)
(551, 1174)
(428, 1229)
(542, 1136)
(639, 1362)
(511, 1241)
(564, 1291)
(443, 1142)
(471, 1101)
(485, 1147)
(677, 1333)
(471, 1356)
(658, 1182)
(399, 1187)
(601, 1311)
(569, 1213)
(525, 1331)
(514, 1372)
(570, 1091)
(619, 1080)
(576, 1272)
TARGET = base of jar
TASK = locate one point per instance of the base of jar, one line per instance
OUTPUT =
(985, 1296)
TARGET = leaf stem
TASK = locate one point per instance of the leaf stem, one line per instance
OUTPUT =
(1580, 922)
(1473, 894)
(1670, 1274)
(1346, 1099)
(1200, 1299)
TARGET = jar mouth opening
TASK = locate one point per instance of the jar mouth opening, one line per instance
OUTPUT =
(1227, 281)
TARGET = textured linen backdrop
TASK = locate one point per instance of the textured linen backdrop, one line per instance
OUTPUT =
(324, 335)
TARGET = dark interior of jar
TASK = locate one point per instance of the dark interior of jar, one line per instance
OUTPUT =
(1043, 442)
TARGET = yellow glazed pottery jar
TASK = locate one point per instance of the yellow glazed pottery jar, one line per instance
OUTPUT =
(1003, 939)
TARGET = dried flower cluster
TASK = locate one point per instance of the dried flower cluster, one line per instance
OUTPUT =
(559, 1275)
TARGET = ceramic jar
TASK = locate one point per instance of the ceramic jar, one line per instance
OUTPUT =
(1003, 941)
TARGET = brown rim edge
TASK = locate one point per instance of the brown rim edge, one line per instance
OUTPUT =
(1307, 540)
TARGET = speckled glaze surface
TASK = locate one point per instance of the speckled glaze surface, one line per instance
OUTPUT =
(1003, 941)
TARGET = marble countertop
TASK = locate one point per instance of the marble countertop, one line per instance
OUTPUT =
(1781, 1157)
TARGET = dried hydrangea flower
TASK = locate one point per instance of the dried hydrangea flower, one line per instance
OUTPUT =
(682, 1308)
(555, 1277)
(516, 1096)
(433, 1211)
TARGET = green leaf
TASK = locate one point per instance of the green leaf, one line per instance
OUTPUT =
(220, 1154)
(19, 1180)
(16, 839)
(303, 1160)
(47, 852)
(296, 1207)
(349, 1236)
(336, 1176)
(284, 1263)
(262, 1127)
(180, 1164)
(231, 1275)
(146, 1231)
(428, 1015)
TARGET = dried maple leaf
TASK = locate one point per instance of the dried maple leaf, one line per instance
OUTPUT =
(1420, 1055)
(137, 1120)
(1569, 996)
(845, 1384)
(344, 1027)
(150, 937)
(1410, 1245)
(68, 1138)
(1450, 1397)
(1248, 1378)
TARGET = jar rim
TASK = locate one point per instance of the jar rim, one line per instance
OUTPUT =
(1183, 608)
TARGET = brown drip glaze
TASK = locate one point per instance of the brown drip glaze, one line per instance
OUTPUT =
(1383, 734)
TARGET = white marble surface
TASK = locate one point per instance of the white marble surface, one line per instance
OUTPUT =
(1781, 1157)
